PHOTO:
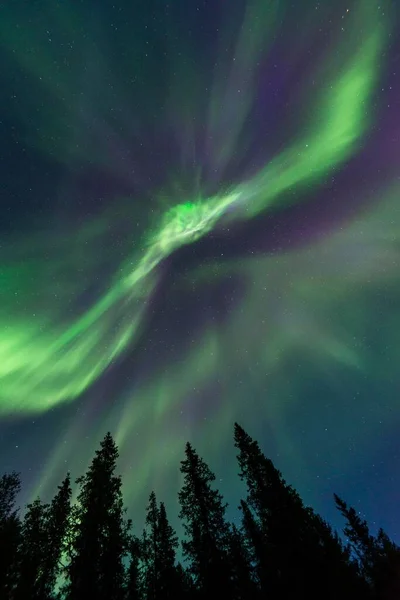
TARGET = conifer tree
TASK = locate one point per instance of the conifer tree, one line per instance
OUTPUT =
(151, 542)
(294, 544)
(186, 587)
(133, 588)
(244, 586)
(258, 549)
(377, 556)
(203, 515)
(279, 512)
(10, 530)
(333, 562)
(170, 583)
(283, 549)
(42, 537)
(57, 522)
(100, 532)
(160, 543)
(32, 552)
(10, 486)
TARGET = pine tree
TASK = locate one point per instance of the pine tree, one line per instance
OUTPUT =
(333, 562)
(297, 554)
(170, 585)
(42, 537)
(152, 543)
(278, 513)
(133, 577)
(10, 530)
(10, 486)
(100, 532)
(160, 543)
(258, 550)
(186, 587)
(203, 514)
(244, 586)
(32, 552)
(378, 557)
(57, 523)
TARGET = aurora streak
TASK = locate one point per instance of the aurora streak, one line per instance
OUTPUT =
(78, 290)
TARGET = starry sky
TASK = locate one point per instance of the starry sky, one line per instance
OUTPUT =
(200, 223)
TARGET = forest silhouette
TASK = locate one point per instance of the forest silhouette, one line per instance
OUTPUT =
(280, 549)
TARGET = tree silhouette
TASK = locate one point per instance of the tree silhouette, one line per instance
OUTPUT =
(170, 583)
(257, 547)
(378, 556)
(296, 551)
(100, 539)
(333, 562)
(33, 552)
(151, 543)
(56, 525)
(283, 548)
(10, 530)
(186, 586)
(203, 515)
(162, 577)
(133, 587)
(244, 586)
(278, 512)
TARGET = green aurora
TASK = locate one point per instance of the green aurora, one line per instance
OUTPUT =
(44, 363)
(75, 303)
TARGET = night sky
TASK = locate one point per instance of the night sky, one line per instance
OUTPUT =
(200, 223)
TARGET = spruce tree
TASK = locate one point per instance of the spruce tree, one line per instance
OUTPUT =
(10, 486)
(297, 554)
(100, 531)
(278, 513)
(207, 532)
(244, 586)
(151, 544)
(258, 549)
(32, 552)
(133, 587)
(10, 530)
(160, 543)
(170, 584)
(337, 571)
(186, 587)
(42, 537)
(378, 557)
(57, 523)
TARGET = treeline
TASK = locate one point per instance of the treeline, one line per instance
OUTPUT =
(281, 549)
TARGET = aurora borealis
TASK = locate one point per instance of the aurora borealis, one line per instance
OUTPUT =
(200, 224)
